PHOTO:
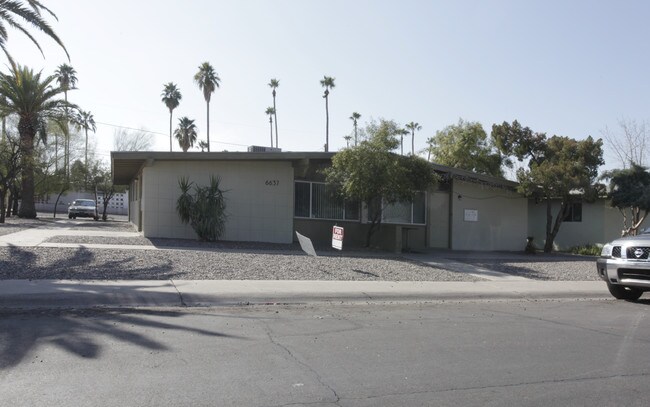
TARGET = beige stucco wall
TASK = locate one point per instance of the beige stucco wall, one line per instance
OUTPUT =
(438, 219)
(600, 224)
(501, 223)
(256, 211)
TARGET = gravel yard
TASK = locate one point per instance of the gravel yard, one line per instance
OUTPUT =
(84, 263)
(248, 260)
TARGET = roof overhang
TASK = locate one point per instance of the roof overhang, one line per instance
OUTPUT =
(126, 165)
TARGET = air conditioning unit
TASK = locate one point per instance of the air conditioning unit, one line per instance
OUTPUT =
(260, 149)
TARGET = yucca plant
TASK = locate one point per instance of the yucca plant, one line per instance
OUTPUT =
(205, 211)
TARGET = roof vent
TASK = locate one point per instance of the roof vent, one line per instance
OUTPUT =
(260, 149)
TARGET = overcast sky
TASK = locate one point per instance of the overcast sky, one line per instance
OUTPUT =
(569, 68)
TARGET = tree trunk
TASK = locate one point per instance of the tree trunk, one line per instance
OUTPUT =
(27, 133)
(170, 130)
(208, 132)
(271, 127)
(401, 144)
(355, 133)
(413, 142)
(551, 233)
(86, 163)
(14, 201)
(3, 195)
(275, 114)
(327, 125)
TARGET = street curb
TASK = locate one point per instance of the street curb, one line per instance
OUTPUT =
(210, 293)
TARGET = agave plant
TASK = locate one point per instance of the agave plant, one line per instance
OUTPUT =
(205, 211)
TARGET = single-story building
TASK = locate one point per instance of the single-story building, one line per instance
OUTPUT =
(271, 195)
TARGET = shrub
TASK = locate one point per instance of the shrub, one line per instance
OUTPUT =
(586, 250)
(205, 210)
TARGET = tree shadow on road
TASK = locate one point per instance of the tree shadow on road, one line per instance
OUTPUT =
(26, 333)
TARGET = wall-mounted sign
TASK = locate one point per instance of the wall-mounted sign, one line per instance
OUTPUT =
(471, 215)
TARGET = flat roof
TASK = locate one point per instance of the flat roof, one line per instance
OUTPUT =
(127, 164)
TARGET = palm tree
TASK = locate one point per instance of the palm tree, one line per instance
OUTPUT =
(413, 127)
(273, 84)
(15, 12)
(208, 81)
(34, 100)
(86, 121)
(66, 76)
(328, 83)
(355, 117)
(271, 111)
(171, 97)
(186, 133)
(203, 145)
(347, 140)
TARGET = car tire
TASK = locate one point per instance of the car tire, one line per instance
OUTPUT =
(624, 293)
(69, 216)
(96, 217)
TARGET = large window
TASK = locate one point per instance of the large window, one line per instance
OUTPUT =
(405, 212)
(318, 200)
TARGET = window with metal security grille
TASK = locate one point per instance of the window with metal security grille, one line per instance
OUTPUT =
(317, 200)
(405, 212)
(575, 213)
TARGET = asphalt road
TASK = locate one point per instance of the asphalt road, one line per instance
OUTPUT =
(499, 353)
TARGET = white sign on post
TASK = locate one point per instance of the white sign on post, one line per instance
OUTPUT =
(337, 238)
(471, 215)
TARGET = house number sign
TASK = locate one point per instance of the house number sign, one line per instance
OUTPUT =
(272, 182)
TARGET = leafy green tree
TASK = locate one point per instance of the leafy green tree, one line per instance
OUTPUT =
(208, 81)
(171, 97)
(34, 100)
(205, 210)
(274, 84)
(14, 13)
(102, 183)
(629, 192)
(465, 145)
(355, 121)
(559, 168)
(413, 127)
(271, 111)
(66, 76)
(372, 173)
(328, 83)
(402, 133)
(186, 133)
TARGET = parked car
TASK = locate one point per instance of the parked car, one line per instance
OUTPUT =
(624, 264)
(83, 208)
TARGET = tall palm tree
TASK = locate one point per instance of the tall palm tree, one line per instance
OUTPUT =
(273, 84)
(171, 97)
(66, 76)
(186, 133)
(328, 83)
(86, 121)
(355, 117)
(208, 81)
(14, 13)
(347, 140)
(413, 127)
(271, 111)
(33, 99)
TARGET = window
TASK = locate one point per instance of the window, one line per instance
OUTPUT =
(405, 212)
(319, 201)
(575, 213)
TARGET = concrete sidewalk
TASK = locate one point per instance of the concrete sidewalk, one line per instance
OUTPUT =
(197, 293)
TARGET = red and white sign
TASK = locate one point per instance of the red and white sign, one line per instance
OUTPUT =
(337, 237)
